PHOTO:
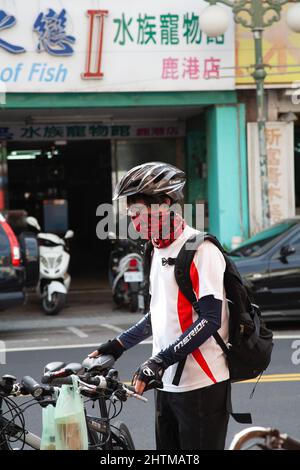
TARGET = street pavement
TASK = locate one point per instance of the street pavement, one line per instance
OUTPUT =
(31, 340)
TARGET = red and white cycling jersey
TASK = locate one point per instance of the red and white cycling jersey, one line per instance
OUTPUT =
(172, 314)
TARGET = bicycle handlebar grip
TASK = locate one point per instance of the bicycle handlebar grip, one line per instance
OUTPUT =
(31, 386)
(50, 376)
(291, 444)
(131, 388)
(61, 381)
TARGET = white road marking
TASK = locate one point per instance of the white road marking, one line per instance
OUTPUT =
(294, 336)
(112, 327)
(94, 345)
(77, 332)
(34, 340)
(49, 348)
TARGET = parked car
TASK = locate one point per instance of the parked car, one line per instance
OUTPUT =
(270, 260)
(19, 264)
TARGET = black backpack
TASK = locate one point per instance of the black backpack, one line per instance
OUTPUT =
(250, 344)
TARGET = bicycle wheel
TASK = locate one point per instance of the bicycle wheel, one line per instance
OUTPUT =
(94, 442)
(7, 431)
(122, 439)
(3, 442)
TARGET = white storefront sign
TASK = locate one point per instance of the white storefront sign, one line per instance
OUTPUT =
(280, 151)
(111, 45)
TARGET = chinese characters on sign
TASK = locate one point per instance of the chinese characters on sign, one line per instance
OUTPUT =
(51, 30)
(280, 152)
(91, 131)
(274, 148)
(52, 33)
(168, 29)
(190, 68)
(7, 21)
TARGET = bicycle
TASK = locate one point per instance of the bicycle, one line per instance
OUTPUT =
(98, 382)
(260, 438)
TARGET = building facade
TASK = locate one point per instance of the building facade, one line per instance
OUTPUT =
(90, 89)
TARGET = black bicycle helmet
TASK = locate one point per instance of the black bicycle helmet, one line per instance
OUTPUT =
(152, 178)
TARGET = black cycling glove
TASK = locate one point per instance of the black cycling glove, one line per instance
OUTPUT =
(112, 347)
(151, 372)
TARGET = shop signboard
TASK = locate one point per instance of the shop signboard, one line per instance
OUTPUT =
(92, 131)
(280, 153)
(111, 46)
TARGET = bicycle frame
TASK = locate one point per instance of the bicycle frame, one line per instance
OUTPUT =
(102, 426)
(94, 423)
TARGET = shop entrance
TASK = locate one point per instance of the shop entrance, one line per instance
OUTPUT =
(77, 174)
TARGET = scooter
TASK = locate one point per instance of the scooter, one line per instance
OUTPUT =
(54, 281)
(126, 273)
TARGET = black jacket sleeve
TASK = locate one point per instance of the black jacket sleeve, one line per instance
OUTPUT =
(137, 333)
(208, 323)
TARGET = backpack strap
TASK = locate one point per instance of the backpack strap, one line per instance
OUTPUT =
(184, 260)
(147, 259)
(183, 264)
(182, 276)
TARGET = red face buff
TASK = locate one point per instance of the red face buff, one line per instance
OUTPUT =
(162, 227)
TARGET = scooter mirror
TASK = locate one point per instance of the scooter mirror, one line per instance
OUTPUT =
(112, 236)
(69, 234)
(33, 222)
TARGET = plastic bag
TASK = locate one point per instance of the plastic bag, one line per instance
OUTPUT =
(48, 433)
(70, 422)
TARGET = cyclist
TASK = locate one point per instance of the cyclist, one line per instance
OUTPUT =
(191, 409)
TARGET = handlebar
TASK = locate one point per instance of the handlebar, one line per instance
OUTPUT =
(95, 384)
(266, 438)
(92, 385)
(49, 377)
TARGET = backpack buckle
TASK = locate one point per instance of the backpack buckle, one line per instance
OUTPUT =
(168, 261)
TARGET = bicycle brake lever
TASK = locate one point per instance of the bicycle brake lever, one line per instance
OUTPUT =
(133, 394)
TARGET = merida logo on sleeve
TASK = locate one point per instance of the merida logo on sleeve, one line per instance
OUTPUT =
(192, 333)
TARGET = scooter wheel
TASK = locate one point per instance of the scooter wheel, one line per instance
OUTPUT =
(55, 305)
(134, 304)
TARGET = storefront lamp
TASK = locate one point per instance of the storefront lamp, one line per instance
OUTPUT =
(293, 18)
(255, 15)
(214, 21)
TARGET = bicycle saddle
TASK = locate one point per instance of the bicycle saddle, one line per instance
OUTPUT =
(75, 367)
(54, 366)
(98, 364)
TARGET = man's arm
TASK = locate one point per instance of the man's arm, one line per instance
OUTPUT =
(137, 333)
(208, 323)
(126, 340)
(150, 373)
